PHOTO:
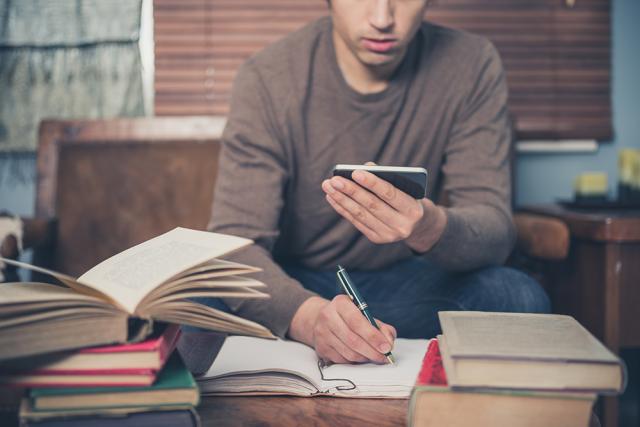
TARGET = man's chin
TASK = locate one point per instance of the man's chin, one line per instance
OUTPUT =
(372, 59)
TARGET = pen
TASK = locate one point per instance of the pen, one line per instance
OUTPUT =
(351, 290)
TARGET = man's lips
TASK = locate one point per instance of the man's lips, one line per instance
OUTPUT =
(379, 45)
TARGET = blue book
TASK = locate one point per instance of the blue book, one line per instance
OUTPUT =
(184, 418)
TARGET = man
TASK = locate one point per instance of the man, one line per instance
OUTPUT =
(371, 83)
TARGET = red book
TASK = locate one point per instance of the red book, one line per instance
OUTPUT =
(114, 365)
(432, 371)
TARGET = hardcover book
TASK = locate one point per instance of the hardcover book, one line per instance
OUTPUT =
(118, 300)
(175, 386)
(174, 418)
(526, 351)
(134, 364)
(435, 403)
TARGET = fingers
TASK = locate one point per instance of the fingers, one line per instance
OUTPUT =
(359, 334)
(329, 354)
(388, 331)
(371, 233)
(384, 190)
(343, 335)
(358, 205)
(351, 354)
(351, 335)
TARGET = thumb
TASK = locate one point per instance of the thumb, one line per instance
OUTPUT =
(370, 164)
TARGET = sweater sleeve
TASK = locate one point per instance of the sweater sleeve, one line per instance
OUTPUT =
(249, 197)
(476, 174)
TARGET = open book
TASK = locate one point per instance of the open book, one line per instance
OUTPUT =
(118, 300)
(254, 366)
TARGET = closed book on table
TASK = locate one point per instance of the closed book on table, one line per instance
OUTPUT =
(434, 403)
(182, 418)
(526, 351)
(134, 364)
(174, 386)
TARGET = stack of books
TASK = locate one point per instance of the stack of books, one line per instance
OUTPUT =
(489, 369)
(99, 350)
(131, 384)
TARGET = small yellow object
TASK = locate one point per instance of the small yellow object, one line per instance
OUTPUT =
(628, 162)
(591, 184)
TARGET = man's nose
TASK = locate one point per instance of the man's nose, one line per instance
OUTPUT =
(381, 15)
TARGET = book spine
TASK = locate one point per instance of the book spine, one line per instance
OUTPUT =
(49, 372)
(144, 382)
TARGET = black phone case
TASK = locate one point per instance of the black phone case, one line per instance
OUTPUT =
(414, 184)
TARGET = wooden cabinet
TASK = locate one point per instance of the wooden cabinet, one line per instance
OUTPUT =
(599, 281)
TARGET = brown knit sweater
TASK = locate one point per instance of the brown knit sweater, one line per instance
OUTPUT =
(293, 117)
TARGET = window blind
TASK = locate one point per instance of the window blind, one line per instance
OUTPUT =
(556, 56)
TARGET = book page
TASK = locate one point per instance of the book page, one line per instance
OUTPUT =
(130, 275)
(521, 336)
(22, 293)
(63, 278)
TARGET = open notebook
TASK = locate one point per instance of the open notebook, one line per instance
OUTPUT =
(257, 366)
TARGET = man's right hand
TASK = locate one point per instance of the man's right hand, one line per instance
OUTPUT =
(339, 332)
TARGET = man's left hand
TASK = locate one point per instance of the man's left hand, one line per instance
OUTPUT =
(383, 213)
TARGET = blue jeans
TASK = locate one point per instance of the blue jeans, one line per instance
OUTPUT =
(409, 294)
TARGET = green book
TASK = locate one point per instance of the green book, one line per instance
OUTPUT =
(174, 386)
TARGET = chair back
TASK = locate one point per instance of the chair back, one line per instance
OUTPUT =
(111, 184)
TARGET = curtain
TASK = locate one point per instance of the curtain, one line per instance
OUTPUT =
(66, 59)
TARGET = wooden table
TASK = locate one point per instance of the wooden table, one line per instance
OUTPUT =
(599, 282)
(302, 411)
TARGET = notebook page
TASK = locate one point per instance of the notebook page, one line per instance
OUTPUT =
(374, 380)
(249, 355)
(242, 358)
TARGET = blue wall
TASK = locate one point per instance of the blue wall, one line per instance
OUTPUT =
(17, 190)
(541, 177)
(546, 177)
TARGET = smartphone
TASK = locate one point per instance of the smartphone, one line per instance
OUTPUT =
(412, 181)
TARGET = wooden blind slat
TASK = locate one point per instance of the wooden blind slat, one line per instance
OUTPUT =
(557, 59)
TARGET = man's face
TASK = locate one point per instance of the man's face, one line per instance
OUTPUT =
(377, 32)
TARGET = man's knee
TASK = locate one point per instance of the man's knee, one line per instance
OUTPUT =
(511, 290)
